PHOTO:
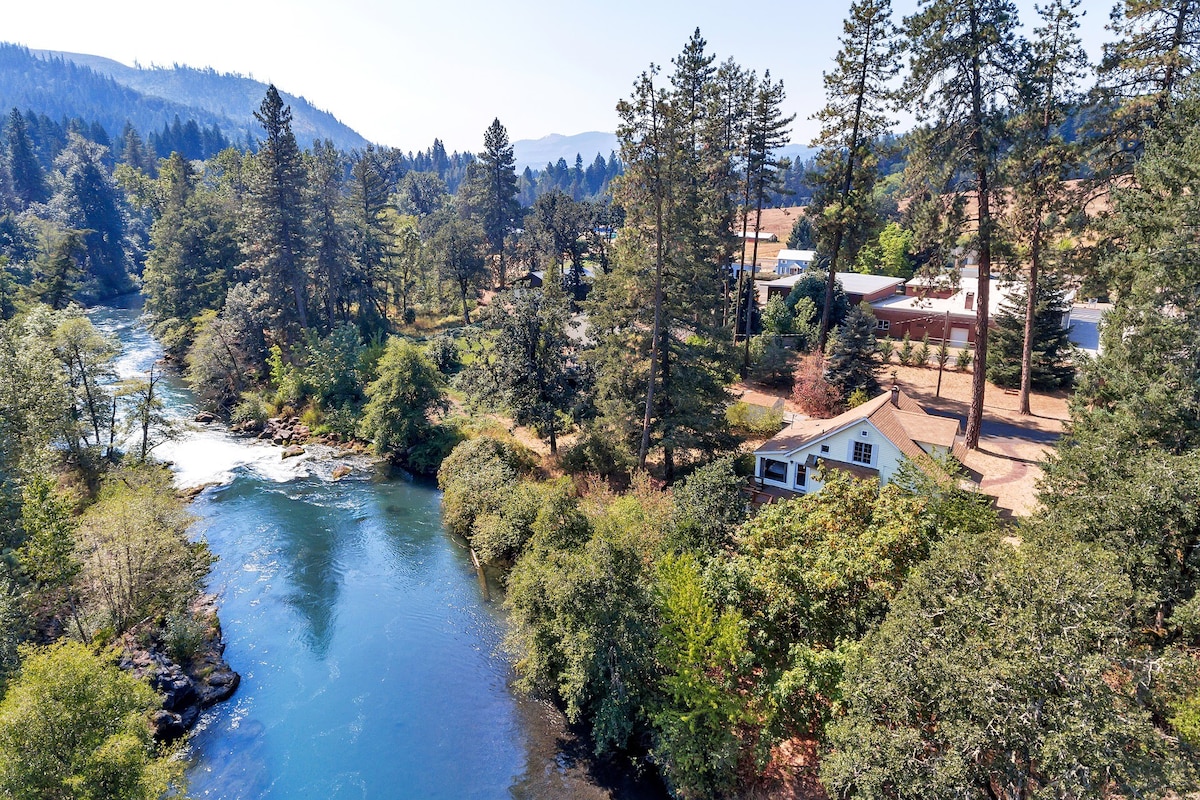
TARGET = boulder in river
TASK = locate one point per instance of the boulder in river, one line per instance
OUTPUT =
(293, 451)
(341, 471)
(206, 417)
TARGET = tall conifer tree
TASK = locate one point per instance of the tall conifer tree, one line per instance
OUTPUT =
(964, 54)
(654, 314)
(1146, 68)
(498, 193)
(766, 133)
(24, 172)
(853, 122)
(274, 221)
(1041, 159)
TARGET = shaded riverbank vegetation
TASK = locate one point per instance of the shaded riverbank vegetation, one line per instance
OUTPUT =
(865, 641)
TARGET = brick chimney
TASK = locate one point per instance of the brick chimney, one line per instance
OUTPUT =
(895, 395)
(970, 301)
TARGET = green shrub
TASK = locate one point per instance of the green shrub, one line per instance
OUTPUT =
(886, 347)
(857, 398)
(962, 362)
(749, 418)
(905, 354)
(924, 352)
(597, 454)
(252, 409)
(183, 636)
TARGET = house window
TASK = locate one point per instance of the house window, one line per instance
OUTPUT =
(883, 324)
(862, 453)
(801, 476)
(824, 448)
(773, 470)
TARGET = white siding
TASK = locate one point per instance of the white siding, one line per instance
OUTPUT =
(885, 456)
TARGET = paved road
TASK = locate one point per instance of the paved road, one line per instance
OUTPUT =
(1003, 430)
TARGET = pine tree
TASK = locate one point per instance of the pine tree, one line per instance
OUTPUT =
(274, 219)
(852, 125)
(657, 308)
(24, 171)
(964, 54)
(853, 355)
(89, 200)
(1143, 390)
(370, 236)
(336, 275)
(1049, 363)
(1146, 69)
(1041, 160)
(498, 193)
(767, 132)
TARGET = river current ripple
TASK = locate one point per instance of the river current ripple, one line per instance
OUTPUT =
(370, 653)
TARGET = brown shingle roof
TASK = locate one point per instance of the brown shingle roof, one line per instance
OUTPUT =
(904, 424)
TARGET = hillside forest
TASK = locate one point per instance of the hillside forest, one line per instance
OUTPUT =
(864, 641)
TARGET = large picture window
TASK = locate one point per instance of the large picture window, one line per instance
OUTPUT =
(862, 453)
(773, 470)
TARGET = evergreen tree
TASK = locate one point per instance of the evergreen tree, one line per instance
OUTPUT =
(370, 235)
(56, 283)
(964, 54)
(536, 380)
(1050, 365)
(193, 253)
(274, 220)
(803, 235)
(1039, 164)
(335, 274)
(853, 356)
(767, 131)
(1143, 390)
(498, 193)
(25, 175)
(658, 307)
(87, 199)
(1146, 68)
(853, 122)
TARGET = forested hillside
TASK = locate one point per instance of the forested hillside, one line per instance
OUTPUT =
(867, 640)
(225, 97)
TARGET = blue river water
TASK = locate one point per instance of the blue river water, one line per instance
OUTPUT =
(369, 648)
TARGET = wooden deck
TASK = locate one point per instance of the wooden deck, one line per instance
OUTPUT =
(759, 494)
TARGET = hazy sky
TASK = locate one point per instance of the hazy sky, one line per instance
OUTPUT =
(403, 72)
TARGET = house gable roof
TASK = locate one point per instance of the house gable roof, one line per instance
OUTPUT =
(903, 424)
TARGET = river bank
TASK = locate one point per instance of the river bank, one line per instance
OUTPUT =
(370, 656)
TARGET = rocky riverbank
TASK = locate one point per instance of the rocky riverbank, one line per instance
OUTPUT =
(293, 436)
(201, 680)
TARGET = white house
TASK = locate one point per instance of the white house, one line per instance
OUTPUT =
(869, 441)
(793, 262)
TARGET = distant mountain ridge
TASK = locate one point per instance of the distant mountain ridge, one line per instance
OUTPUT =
(103, 91)
(233, 98)
(536, 153)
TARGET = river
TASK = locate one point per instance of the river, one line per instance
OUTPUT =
(368, 648)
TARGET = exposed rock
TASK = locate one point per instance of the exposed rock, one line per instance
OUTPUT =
(191, 492)
(293, 451)
(186, 689)
(167, 725)
(341, 471)
(206, 417)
